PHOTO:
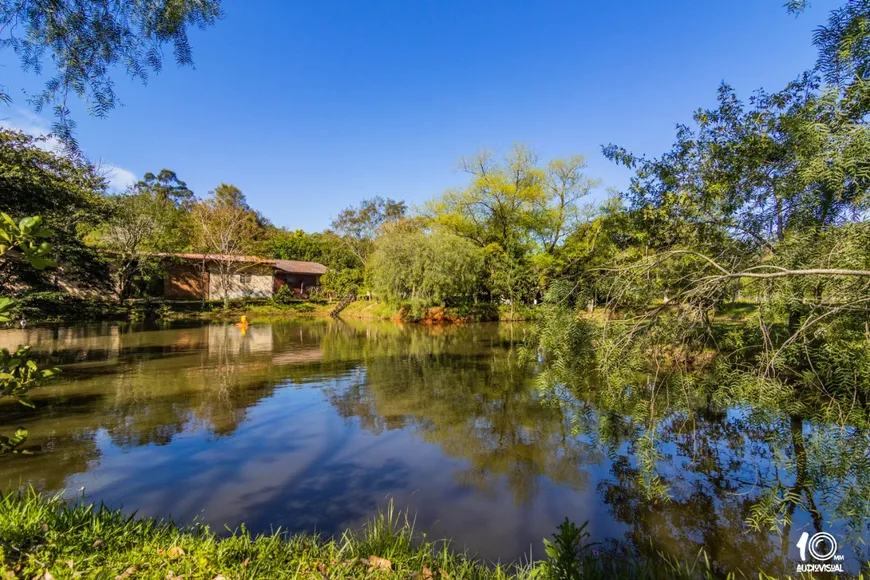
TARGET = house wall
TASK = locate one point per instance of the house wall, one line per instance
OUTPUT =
(227, 341)
(258, 285)
(184, 282)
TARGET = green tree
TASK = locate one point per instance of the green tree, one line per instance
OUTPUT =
(225, 232)
(516, 211)
(83, 41)
(359, 226)
(166, 186)
(767, 200)
(229, 195)
(152, 217)
(439, 268)
(298, 245)
(69, 194)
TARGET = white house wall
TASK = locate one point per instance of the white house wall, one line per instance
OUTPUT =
(260, 285)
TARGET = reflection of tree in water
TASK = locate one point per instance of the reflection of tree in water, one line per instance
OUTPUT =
(737, 482)
(728, 476)
(206, 379)
(462, 390)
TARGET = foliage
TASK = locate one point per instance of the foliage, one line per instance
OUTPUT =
(436, 268)
(519, 214)
(299, 245)
(165, 186)
(153, 216)
(358, 226)
(344, 281)
(18, 373)
(226, 229)
(27, 238)
(764, 201)
(84, 41)
(344, 273)
(44, 535)
(284, 296)
(67, 194)
(566, 553)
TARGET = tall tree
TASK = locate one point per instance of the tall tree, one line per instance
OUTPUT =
(83, 41)
(69, 195)
(166, 186)
(358, 226)
(565, 185)
(515, 209)
(225, 233)
(435, 268)
(229, 195)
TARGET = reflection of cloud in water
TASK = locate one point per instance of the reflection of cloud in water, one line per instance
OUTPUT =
(288, 465)
(314, 425)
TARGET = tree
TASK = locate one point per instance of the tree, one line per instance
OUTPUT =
(225, 233)
(166, 186)
(153, 216)
(298, 245)
(85, 40)
(230, 196)
(358, 226)
(68, 193)
(767, 200)
(434, 269)
(515, 210)
(565, 185)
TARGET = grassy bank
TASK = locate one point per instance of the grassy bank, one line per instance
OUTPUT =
(62, 307)
(255, 310)
(39, 307)
(44, 537)
(421, 313)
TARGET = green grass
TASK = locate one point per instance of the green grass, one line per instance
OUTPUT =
(255, 310)
(40, 534)
(421, 312)
(736, 310)
(86, 541)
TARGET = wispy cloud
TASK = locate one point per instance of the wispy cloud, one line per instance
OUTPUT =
(119, 178)
(21, 119)
(32, 124)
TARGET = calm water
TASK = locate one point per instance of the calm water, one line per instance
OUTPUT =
(314, 426)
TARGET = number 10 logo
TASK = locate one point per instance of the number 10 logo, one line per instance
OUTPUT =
(821, 546)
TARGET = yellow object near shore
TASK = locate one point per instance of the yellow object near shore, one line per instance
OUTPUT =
(243, 324)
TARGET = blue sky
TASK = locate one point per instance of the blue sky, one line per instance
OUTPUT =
(312, 105)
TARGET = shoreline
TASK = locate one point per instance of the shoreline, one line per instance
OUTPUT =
(45, 537)
(75, 310)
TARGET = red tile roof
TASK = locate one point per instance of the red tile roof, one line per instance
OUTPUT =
(289, 266)
(221, 257)
(297, 267)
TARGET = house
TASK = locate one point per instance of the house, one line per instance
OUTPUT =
(214, 277)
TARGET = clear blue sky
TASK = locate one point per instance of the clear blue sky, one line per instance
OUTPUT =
(311, 105)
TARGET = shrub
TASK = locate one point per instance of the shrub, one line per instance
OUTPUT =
(284, 296)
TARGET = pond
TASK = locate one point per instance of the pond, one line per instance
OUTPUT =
(314, 426)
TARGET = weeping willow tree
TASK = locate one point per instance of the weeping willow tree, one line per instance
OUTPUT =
(732, 279)
(764, 201)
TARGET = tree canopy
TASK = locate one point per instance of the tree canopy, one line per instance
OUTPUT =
(82, 42)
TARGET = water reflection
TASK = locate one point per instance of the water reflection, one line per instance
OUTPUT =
(313, 426)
